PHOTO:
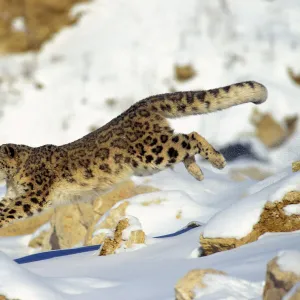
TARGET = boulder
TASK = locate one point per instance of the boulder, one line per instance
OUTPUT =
(74, 224)
(104, 204)
(271, 132)
(184, 72)
(185, 287)
(275, 217)
(28, 24)
(127, 234)
(282, 275)
(69, 226)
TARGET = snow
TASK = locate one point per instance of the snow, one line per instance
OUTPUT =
(134, 225)
(18, 24)
(226, 287)
(292, 209)
(289, 261)
(238, 220)
(118, 53)
(29, 286)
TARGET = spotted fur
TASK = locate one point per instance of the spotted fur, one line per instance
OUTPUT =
(138, 142)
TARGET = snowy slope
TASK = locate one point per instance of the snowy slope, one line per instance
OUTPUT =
(126, 50)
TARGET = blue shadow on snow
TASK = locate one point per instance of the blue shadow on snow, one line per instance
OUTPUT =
(63, 252)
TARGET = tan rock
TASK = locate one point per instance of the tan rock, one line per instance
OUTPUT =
(40, 240)
(74, 224)
(184, 289)
(272, 219)
(294, 76)
(184, 72)
(2, 297)
(278, 282)
(41, 20)
(291, 124)
(267, 129)
(121, 239)
(122, 191)
(295, 294)
(70, 225)
(105, 202)
(296, 166)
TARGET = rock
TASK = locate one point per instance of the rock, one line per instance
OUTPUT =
(293, 76)
(69, 226)
(273, 218)
(2, 297)
(185, 287)
(40, 240)
(291, 124)
(105, 202)
(294, 293)
(296, 166)
(184, 72)
(128, 233)
(270, 132)
(74, 224)
(280, 279)
(267, 129)
(28, 24)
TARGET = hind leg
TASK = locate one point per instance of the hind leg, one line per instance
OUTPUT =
(206, 150)
(183, 148)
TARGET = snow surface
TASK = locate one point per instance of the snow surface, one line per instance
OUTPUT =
(226, 287)
(292, 209)
(289, 261)
(238, 220)
(120, 52)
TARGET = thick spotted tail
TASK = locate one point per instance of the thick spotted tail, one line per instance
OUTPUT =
(179, 104)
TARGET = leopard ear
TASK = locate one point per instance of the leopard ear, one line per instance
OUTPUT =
(10, 151)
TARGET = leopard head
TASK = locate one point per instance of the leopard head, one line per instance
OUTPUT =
(11, 157)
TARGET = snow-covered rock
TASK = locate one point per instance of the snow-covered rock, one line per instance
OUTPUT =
(127, 235)
(186, 286)
(265, 208)
(283, 273)
(214, 284)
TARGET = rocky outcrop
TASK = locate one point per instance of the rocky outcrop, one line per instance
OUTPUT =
(270, 132)
(280, 280)
(69, 226)
(272, 219)
(127, 234)
(26, 25)
(74, 225)
(185, 287)
(106, 202)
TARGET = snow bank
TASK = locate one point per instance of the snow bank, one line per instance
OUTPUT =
(289, 261)
(161, 212)
(226, 287)
(17, 282)
(237, 220)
